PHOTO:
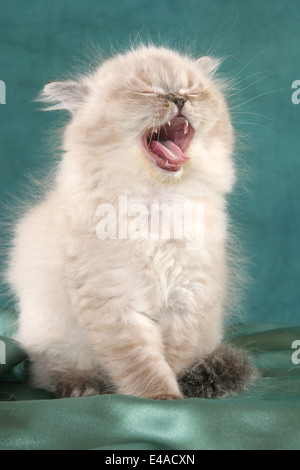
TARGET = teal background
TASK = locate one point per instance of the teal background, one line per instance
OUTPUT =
(40, 41)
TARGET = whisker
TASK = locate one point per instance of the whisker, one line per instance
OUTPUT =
(219, 31)
(251, 84)
(254, 114)
(249, 76)
(254, 124)
(258, 96)
(250, 62)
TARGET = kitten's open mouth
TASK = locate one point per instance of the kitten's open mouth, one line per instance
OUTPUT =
(166, 144)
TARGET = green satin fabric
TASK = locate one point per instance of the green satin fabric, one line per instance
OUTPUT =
(265, 417)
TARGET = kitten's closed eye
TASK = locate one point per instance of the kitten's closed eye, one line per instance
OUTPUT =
(150, 93)
(187, 94)
(194, 93)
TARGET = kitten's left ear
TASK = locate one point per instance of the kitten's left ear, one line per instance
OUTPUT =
(69, 95)
(208, 65)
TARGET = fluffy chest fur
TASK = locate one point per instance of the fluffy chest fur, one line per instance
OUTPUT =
(177, 287)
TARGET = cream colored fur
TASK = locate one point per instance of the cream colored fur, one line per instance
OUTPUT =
(142, 310)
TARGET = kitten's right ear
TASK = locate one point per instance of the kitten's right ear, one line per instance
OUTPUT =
(69, 95)
(209, 65)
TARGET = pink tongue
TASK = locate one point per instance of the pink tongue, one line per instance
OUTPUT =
(169, 151)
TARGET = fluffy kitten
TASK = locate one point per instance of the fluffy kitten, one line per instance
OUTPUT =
(132, 315)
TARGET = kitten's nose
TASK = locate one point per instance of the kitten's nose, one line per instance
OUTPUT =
(179, 102)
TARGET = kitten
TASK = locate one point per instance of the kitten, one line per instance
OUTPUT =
(102, 311)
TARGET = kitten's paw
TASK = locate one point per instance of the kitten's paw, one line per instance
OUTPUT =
(167, 397)
(81, 388)
(223, 372)
(87, 389)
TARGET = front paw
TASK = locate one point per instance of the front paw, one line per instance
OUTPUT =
(167, 397)
(78, 386)
(224, 372)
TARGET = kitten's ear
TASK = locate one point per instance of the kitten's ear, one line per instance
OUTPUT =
(208, 65)
(69, 95)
